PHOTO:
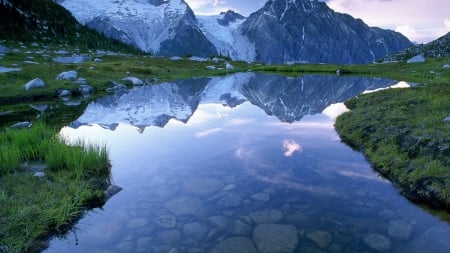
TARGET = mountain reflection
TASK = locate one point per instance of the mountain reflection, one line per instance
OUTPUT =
(287, 98)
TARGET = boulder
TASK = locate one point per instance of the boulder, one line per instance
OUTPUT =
(197, 230)
(446, 66)
(417, 59)
(211, 67)
(133, 80)
(275, 238)
(447, 120)
(378, 242)
(40, 108)
(33, 84)
(68, 75)
(166, 221)
(98, 60)
(235, 245)
(230, 200)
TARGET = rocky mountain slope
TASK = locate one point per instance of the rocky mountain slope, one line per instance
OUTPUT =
(44, 20)
(162, 27)
(309, 31)
(436, 48)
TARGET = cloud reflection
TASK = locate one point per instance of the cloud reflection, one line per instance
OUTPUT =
(290, 147)
(207, 132)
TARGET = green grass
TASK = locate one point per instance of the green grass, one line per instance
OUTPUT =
(33, 208)
(403, 133)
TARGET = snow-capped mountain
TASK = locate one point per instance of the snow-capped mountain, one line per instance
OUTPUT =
(222, 30)
(309, 31)
(163, 27)
(281, 31)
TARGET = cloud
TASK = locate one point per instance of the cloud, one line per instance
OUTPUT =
(290, 147)
(207, 132)
(447, 23)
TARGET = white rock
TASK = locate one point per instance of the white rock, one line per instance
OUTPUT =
(211, 67)
(68, 75)
(6, 70)
(175, 58)
(35, 83)
(229, 66)
(446, 66)
(133, 80)
(417, 59)
(98, 60)
(39, 174)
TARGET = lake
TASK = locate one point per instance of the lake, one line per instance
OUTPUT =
(242, 163)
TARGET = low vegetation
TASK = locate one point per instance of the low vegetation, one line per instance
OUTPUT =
(404, 134)
(33, 205)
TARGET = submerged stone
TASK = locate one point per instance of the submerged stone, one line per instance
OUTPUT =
(186, 206)
(320, 238)
(269, 216)
(275, 238)
(166, 221)
(399, 230)
(235, 245)
(111, 191)
(202, 186)
(378, 242)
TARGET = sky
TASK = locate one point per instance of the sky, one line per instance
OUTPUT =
(420, 20)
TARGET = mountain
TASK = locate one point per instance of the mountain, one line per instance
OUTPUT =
(44, 20)
(289, 99)
(281, 31)
(434, 49)
(161, 27)
(309, 31)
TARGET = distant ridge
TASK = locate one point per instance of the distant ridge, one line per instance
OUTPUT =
(435, 49)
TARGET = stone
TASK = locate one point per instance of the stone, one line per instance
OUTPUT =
(4, 50)
(270, 216)
(446, 66)
(72, 59)
(230, 200)
(67, 75)
(219, 221)
(19, 125)
(111, 191)
(378, 242)
(7, 70)
(417, 59)
(98, 60)
(197, 230)
(85, 89)
(240, 228)
(262, 196)
(176, 58)
(202, 186)
(275, 238)
(39, 108)
(39, 174)
(229, 66)
(211, 67)
(186, 206)
(137, 223)
(170, 236)
(64, 93)
(235, 245)
(447, 120)
(320, 238)
(399, 230)
(133, 80)
(166, 221)
(33, 84)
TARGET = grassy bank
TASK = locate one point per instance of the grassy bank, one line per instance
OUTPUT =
(403, 134)
(34, 207)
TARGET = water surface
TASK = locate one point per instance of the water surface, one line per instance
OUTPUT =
(247, 162)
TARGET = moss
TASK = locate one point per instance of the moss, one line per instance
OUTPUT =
(403, 133)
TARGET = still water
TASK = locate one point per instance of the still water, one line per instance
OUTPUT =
(243, 163)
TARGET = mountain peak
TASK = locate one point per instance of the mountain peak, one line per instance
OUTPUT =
(229, 17)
